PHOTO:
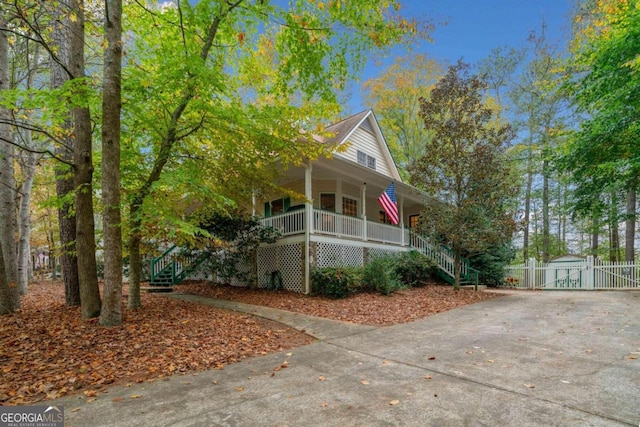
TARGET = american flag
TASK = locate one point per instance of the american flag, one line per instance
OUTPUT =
(388, 202)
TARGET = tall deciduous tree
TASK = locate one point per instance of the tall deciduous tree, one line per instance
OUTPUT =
(9, 297)
(197, 88)
(395, 96)
(464, 166)
(111, 312)
(602, 156)
(59, 75)
(83, 167)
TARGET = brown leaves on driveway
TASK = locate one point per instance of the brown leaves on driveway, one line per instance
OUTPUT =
(48, 351)
(364, 308)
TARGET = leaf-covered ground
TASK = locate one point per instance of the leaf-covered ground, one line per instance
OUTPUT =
(48, 351)
(364, 308)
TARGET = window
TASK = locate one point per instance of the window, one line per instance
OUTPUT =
(413, 221)
(349, 206)
(366, 160)
(328, 202)
(371, 162)
(384, 218)
(362, 158)
(276, 207)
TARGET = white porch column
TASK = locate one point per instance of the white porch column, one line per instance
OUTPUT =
(364, 210)
(308, 229)
(402, 218)
(253, 203)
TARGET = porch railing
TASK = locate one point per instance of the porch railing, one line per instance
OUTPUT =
(384, 233)
(287, 224)
(338, 225)
(330, 223)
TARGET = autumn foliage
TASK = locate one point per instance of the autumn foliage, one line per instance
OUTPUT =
(47, 351)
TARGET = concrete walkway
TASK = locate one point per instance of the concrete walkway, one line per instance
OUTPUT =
(527, 359)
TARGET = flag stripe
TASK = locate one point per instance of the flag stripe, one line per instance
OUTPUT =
(388, 202)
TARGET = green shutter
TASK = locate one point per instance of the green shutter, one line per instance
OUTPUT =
(286, 204)
(267, 210)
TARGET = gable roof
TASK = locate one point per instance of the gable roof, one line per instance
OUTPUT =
(345, 128)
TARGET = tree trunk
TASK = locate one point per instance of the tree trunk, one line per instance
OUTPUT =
(28, 163)
(527, 196)
(594, 238)
(135, 260)
(24, 221)
(7, 182)
(7, 293)
(164, 153)
(545, 212)
(111, 313)
(457, 261)
(64, 179)
(614, 235)
(82, 159)
(630, 226)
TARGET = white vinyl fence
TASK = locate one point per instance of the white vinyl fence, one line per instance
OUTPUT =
(589, 274)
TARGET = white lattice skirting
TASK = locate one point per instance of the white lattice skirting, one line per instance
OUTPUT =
(282, 261)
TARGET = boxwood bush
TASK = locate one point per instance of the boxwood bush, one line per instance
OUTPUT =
(380, 275)
(335, 282)
(414, 268)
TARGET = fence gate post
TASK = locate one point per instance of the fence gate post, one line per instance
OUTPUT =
(591, 273)
(531, 282)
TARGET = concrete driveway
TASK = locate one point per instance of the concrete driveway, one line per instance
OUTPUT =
(529, 358)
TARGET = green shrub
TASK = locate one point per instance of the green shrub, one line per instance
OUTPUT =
(491, 264)
(335, 282)
(380, 275)
(414, 268)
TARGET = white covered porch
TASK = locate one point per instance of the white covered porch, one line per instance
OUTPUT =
(337, 225)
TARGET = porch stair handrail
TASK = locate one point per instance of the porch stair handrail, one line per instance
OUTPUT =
(173, 266)
(444, 258)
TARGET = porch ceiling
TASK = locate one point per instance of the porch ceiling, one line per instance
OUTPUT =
(355, 174)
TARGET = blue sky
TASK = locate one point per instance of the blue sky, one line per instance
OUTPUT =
(474, 27)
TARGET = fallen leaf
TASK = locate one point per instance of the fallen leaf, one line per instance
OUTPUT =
(91, 400)
(240, 389)
(117, 399)
(490, 361)
(324, 405)
(565, 382)
(427, 377)
(135, 396)
(394, 402)
(90, 393)
(432, 358)
(365, 382)
(632, 357)
(75, 409)
(529, 385)
(321, 378)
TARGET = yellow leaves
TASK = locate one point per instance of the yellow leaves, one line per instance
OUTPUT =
(394, 402)
(73, 17)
